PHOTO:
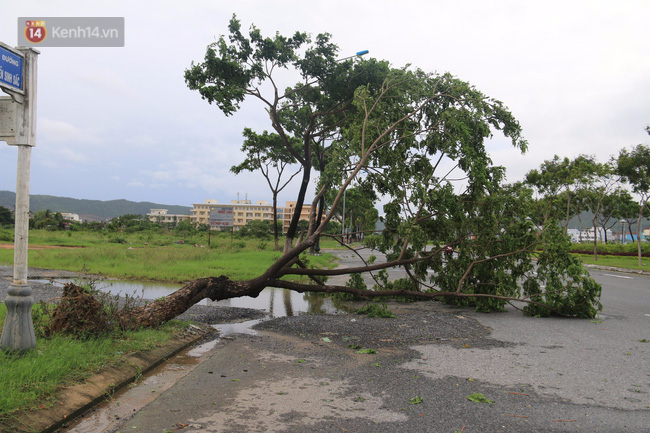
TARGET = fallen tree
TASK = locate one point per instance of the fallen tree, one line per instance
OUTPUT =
(415, 140)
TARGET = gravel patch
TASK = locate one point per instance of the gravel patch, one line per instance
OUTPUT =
(416, 323)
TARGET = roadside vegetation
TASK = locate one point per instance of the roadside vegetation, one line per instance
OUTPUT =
(29, 381)
(623, 262)
(623, 256)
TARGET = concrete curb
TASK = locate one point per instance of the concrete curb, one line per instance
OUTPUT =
(614, 269)
(74, 401)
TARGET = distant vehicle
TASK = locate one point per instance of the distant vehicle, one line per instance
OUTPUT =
(447, 251)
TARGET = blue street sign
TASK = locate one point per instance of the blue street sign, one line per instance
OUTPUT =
(11, 69)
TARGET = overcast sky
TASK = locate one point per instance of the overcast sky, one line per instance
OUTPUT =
(119, 123)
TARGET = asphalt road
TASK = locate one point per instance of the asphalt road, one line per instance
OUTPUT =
(541, 375)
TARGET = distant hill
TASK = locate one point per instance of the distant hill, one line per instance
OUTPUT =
(574, 223)
(90, 210)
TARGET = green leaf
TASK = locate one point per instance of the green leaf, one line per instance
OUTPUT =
(477, 397)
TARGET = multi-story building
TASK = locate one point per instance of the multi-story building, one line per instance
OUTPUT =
(200, 212)
(244, 211)
(289, 210)
(161, 216)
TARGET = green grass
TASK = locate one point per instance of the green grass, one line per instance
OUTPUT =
(159, 259)
(625, 262)
(30, 380)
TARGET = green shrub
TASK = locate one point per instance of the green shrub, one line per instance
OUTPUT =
(376, 310)
(6, 235)
(628, 249)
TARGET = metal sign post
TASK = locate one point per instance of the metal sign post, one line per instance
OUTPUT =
(223, 217)
(18, 70)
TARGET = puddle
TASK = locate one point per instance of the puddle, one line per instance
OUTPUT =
(276, 302)
(237, 328)
(127, 401)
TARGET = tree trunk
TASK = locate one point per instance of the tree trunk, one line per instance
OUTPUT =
(275, 221)
(639, 231)
(213, 288)
(78, 312)
(629, 229)
(293, 226)
(568, 212)
(579, 232)
(319, 218)
(321, 201)
(595, 240)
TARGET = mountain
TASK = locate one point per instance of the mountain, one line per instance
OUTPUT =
(614, 224)
(90, 210)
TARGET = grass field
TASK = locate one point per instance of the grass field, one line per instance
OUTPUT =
(153, 257)
(625, 262)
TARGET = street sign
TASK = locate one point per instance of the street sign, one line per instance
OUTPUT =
(7, 120)
(222, 217)
(11, 69)
(18, 127)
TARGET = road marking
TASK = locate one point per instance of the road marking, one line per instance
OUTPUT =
(618, 276)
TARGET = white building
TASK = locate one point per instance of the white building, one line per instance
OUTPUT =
(161, 216)
(588, 235)
(70, 216)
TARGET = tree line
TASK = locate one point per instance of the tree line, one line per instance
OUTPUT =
(134, 223)
(569, 187)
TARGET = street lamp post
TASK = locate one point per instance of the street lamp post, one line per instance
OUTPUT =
(358, 54)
